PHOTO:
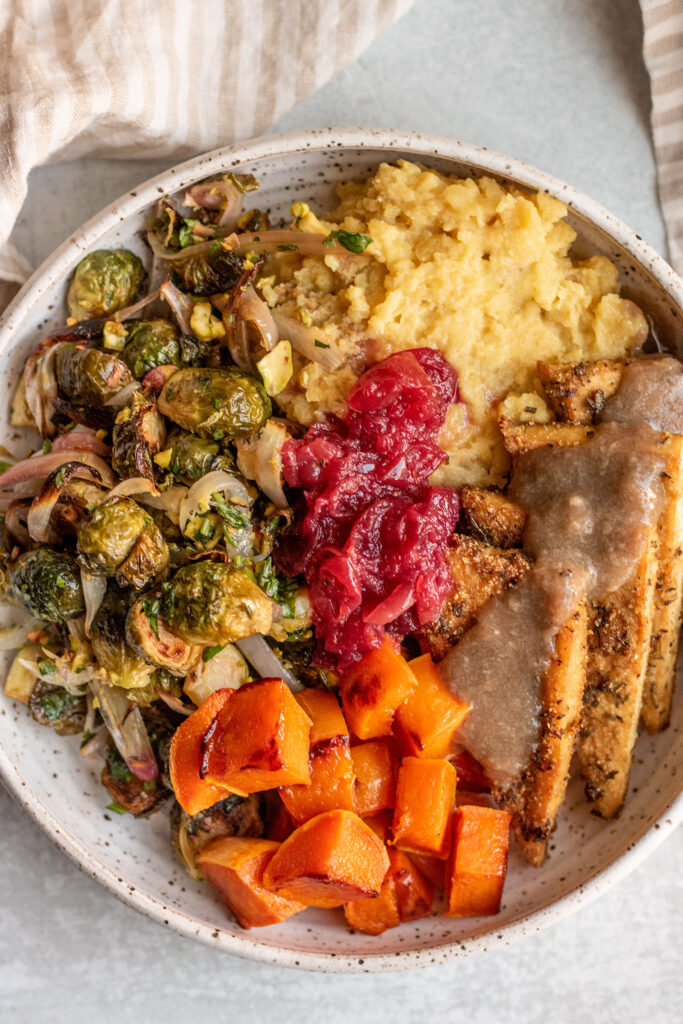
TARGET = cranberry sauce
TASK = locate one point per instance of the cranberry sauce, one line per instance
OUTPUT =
(369, 532)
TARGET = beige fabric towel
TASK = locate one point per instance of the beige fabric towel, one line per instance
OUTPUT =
(150, 78)
(663, 52)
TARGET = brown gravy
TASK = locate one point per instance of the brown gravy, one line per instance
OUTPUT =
(590, 508)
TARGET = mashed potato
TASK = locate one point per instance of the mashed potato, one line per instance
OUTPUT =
(480, 272)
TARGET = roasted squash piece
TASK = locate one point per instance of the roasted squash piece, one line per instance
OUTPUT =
(491, 517)
(373, 689)
(374, 916)
(424, 724)
(193, 793)
(332, 777)
(476, 869)
(425, 801)
(414, 892)
(259, 740)
(374, 767)
(235, 865)
(330, 860)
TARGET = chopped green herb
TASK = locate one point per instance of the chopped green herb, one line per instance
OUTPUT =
(354, 241)
(216, 403)
(86, 737)
(47, 446)
(60, 583)
(186, 232)
(287, 248)
(59, 479)
(116, 807)
(210, 652)
(281, 588)
(320, 344)
(46, 667)
(118, 768)
(150, 606)
(233, 515)
(57, 705)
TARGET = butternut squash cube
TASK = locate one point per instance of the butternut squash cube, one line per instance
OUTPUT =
(259, 740)
(373, 690)
(193, 793)
(374, 916)
(425, 723)
(373, 764)
(476, 870)
(414, 892)
(235, 866)
(425, 801)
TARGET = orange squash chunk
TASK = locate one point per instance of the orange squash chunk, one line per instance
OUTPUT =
(374, 688)
(330, 860)
(425, 801)
(373, 764)
(374, 916)
(193, 793)
(331, 786)
(235, 866)
(433, 869)
(476, 870)
(322, 707)
(332, 776)
(414, 892)
(424, 724)
(380, 824)
(259, 740)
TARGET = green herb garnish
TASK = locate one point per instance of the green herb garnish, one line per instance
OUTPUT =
(116, 807)
(46, 667)
(210, 652)
(150, 607)
(353, 241)
(320, 344)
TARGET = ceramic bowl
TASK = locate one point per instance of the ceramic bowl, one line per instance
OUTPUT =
(134, 858)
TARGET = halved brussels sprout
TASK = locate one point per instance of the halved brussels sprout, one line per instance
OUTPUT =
(212, 603)
(234, 816)
(151, 343)
(54, 706)
(191, 457)
(138, 434)
(222, 404)
(123, 665)
(88, 376)
(121, 539)
(219, 667)
(149, 637)
(104, 281)
(212, 272)
(130, 793)
(48, 582)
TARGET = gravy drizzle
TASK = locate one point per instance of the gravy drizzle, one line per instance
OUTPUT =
(590, 511)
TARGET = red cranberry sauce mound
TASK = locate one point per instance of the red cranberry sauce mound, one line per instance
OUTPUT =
(369, 532)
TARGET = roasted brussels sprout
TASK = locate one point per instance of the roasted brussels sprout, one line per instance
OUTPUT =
(104, 281)
(192, 457)
(212, 272)
(234, 816)
(149, 637)
(138, 434)
(129, 792)
(54, 706)
(121, 539)
(212, 603)
(123, 665)
(222, 404)
(218, 668)
(151, 343)
(87, 376)
(49, 584)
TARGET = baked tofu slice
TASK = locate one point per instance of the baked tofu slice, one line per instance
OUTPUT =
(535, 811)
(478, 571)
(491, 517)
(668, 598)
(577, 392)
(520, 438)
(619, 634)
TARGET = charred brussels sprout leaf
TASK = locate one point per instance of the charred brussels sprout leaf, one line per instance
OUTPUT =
(192, 457)
(123, 666)
(220, 404)
(212, 603)
(148, 636)
(138, 434)
(54, 706)
(49, 584)
(87, 376)
(151, 343)
(212, 272)
(105, 281)
(121, 539)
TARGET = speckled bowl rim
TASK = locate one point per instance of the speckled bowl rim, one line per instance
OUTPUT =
(58, 264)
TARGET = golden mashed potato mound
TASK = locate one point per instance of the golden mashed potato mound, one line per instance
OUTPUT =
(476, 270)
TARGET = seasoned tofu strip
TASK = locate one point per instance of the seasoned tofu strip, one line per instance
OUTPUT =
(535, 813)
(520, 438)
(577, 392)
(668, 598)
(619, 634)
(492, 517)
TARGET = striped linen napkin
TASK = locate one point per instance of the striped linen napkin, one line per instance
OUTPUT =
(151, 78)
(663, 53)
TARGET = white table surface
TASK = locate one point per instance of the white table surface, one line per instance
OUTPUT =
(559, 83)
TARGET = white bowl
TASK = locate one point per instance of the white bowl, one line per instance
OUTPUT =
(133, 858)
